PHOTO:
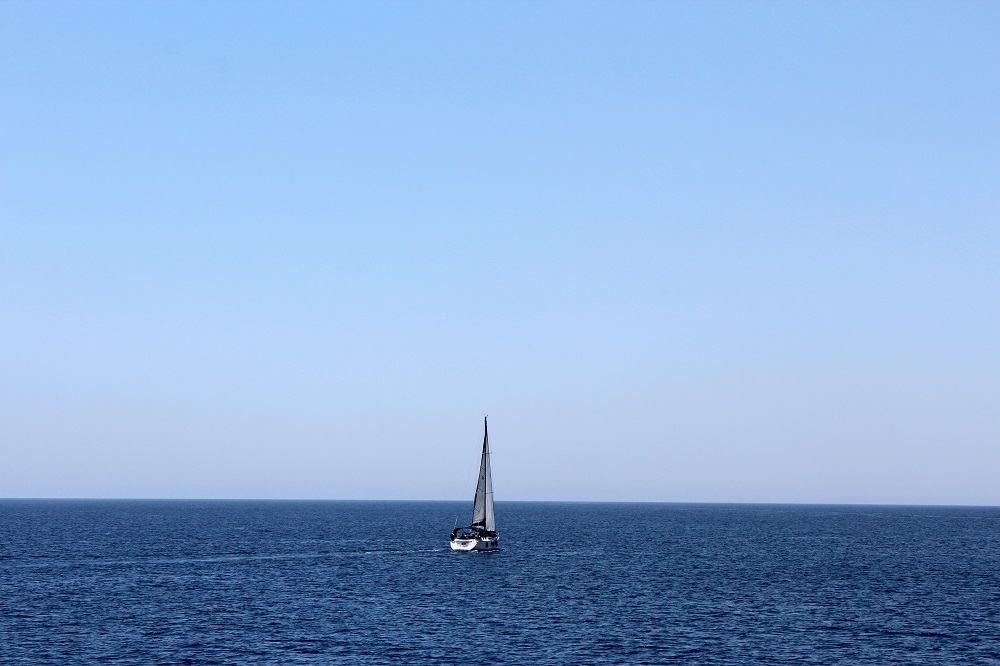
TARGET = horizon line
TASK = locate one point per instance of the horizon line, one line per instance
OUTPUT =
(510, 501)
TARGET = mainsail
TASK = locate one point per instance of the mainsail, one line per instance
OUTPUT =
(482, 506)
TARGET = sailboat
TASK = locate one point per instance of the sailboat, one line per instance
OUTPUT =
(481, 533)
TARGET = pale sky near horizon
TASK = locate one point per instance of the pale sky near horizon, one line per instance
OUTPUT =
(712, 251)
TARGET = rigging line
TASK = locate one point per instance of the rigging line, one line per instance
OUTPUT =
(465, 488)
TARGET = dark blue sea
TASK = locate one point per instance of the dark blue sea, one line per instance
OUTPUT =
(267, 582)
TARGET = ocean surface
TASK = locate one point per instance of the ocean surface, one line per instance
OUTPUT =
(265, 582)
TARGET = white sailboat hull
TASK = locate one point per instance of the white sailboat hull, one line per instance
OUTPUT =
(483, 543)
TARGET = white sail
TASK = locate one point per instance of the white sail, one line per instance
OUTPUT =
(482, 506)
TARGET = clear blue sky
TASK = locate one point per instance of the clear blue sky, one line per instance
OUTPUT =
(719, 251)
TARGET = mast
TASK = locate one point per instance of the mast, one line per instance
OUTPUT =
(491, 523)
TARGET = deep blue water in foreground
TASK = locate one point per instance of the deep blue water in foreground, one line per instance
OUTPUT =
(197, 582)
